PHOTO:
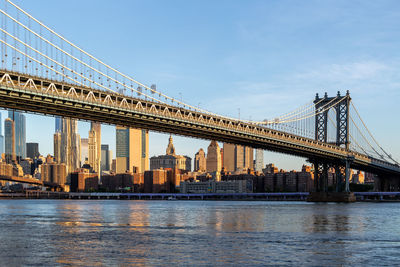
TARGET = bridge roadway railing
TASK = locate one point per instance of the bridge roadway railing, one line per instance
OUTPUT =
(60, 93)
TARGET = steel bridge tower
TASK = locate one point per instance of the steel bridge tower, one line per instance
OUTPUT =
(341, 106)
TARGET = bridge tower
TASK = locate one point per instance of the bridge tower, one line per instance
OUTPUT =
(341, 106)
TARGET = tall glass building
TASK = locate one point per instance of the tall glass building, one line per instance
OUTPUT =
(259, 164)
(58, 124)
(8, 132)
(132, 146)
(20, 132)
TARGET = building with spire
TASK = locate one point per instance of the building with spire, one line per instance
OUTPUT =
(171, 160)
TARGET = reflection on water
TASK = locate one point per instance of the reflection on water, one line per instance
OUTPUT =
(112, 232)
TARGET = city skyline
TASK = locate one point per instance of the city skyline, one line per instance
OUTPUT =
(361, 68)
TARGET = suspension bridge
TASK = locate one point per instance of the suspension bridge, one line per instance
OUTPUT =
(42, 72)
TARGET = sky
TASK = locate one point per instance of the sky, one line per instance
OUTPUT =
(263, 57)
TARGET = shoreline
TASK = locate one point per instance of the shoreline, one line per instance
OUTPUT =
(292, 196)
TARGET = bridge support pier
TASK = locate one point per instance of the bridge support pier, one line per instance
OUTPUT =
(321, 193)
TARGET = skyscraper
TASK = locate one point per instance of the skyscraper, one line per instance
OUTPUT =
(20, 132)
(95, 146)
(200, 161)
(84, 150)
(58, 127)
(237, 157)
(32, 150)
(248, 158)
(9, 132)
(229, 157)
(70, 145)
(132, 147)
(57, 147)
(105, 158)
(213, 157)
(259, 160)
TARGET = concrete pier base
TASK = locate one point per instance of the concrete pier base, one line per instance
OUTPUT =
(331, 197)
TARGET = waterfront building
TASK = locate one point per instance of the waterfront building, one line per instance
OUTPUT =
(305, 179)
(200, 162)
(259, 162)
(277, 181)
(155, 181)
(53, 172)
(212, 186)
(84, 180)
(122, 181)
(214, 158)
(132, 149)
(106, 156)
(170, 160)
(84, 150)
(32, 150)
(20, 132)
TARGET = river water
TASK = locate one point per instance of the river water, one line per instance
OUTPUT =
(160, 233)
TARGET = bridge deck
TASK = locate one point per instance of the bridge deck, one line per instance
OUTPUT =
(44, 96)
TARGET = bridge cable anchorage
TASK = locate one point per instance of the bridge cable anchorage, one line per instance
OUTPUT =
(109, 67)
(370, 134)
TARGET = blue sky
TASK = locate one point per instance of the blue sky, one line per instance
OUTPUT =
(264, 57)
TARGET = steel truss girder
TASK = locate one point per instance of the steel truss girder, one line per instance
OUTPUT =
(75, 106)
